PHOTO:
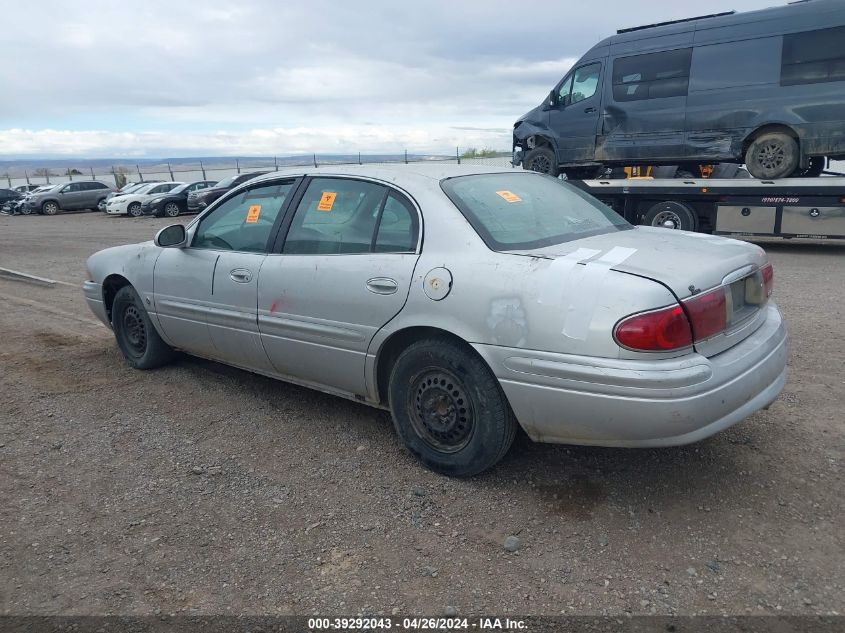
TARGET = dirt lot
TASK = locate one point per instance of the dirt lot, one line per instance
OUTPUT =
(203, 489)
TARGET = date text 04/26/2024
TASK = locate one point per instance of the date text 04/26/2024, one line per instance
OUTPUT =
(411, 623)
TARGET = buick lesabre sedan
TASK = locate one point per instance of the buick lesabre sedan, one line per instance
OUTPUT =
(466, 301)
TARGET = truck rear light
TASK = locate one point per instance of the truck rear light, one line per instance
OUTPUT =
(708, 313)
(661, 330)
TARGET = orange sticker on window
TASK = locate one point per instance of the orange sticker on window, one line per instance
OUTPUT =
(253, 213)
(509, 196)
(327, 201)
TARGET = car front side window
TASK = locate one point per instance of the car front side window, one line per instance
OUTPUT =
(244, 221)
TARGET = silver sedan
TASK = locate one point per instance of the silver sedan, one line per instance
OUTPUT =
(466, 301)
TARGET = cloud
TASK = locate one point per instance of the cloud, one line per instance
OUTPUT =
(163, 76)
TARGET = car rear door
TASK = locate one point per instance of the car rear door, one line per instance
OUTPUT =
(342, 272)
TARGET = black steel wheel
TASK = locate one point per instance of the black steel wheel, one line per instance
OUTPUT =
(449, 409)
(772, 155)
(136, 336)
(541, 159)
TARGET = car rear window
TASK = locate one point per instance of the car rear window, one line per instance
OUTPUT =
(526, 210)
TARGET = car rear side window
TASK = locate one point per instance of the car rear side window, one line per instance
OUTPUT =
(813, 57)
(651, 76)
(397, 227)
(336, 216)
(244, 221)
(515, 211)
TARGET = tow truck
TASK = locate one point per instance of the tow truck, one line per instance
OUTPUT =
(788, 208)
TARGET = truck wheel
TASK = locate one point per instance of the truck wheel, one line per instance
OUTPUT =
(772, 155)
(449, 409)
(815, 168)
(50, 208)
(541, 159)
(671, 215)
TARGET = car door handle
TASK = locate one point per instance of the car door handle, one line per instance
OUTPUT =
(240, 275)
(589, 110)
(382, 285)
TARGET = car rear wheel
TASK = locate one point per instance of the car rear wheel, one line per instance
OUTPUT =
(671, 215)
(541, 159)
(134, 210)
(449, 409)
(50, 208)
(772, 155)
(141, 345)
(171, 209)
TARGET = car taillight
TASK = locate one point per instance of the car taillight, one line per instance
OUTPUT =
(768, 272)
(708, 313)
(657, 331)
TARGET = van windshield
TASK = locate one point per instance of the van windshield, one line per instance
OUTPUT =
(525, 210)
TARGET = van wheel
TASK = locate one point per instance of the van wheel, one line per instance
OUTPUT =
(671, 215)
(772, 155)
(541, 159)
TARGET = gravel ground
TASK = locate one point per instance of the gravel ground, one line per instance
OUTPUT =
(198, 488)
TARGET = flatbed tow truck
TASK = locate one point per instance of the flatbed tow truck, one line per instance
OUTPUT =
(789, 208)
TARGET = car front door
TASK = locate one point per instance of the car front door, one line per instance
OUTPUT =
(71, 196)
(575, 116)
(342, 272)
(206, 293)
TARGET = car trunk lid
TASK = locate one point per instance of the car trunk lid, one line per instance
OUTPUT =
(689, 264)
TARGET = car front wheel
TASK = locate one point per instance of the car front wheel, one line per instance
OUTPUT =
(141, 345)
(135, 210)
(171, 209)
(50, 208)
(449, 409)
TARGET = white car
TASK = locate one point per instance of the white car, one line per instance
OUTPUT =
(130, 204)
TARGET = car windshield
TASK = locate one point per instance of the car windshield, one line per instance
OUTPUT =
(525, 210)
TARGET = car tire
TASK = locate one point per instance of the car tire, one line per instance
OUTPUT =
(134, 210)
(138, 340)
(171, 210)
(541, 159)
(449, 409)
(772, 155)
(25, 210)
(679, 215)
(50, 208)
(96, 207)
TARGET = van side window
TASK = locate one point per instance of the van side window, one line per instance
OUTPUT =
(651, 76)
(813, 57)
(580, 85)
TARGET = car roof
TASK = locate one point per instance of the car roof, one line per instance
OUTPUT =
(421, 174)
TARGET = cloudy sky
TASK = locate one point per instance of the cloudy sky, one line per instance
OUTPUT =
(253, 77)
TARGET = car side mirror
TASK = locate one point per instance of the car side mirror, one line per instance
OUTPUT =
(551, 101)
(172, 236)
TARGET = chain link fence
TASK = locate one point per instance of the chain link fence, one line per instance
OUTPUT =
(218, 169)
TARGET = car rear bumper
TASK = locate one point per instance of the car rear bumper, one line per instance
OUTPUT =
(94, 298)
(610, 402)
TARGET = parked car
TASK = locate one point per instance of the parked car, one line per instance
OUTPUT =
(84, 194)
(175, 201)
(532, 303)
(130, 203)
(199, 200)
(126, 189)
(764, 87)
(25, 188)
(7, 198)
(19, 206)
